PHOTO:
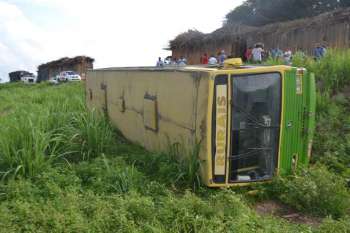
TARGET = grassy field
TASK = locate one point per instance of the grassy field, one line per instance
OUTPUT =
(65, 169)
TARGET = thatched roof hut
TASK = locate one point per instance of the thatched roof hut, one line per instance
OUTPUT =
(79, 64)
(332, 28)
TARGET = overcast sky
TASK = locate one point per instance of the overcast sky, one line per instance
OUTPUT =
(115, 33)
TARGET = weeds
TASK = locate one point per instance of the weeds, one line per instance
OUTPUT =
(178, 167)
(331, 226)
(71, 200)
(89, 135)
(316, 191)
(46, 127)
(25, 147)
(109, 175)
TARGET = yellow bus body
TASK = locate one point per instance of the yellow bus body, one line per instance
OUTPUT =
(157, 107)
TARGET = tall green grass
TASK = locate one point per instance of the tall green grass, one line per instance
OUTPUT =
(26, 147)
(88, 135)
(48, 125)
(177, 167)
(60, 201)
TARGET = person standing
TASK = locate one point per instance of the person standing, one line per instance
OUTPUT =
(204, 59)
(319, 52)
(323, 50)
(182, 61)
(248, 54)
(222, 57)
(288, 56)
(160, 63)
(279, 54)
(273, 53)
(212, 60)
(257, 54)
(173, 61)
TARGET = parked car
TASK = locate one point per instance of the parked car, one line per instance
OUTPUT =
(54, 80)
(65, 76)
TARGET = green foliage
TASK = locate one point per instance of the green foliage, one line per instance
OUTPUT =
(44, 127)
(25, 147)
(331, 226)
(316, 191)
(42, 205)
(331, 144)
(89, 135)
(261, 12)
(109, 175)
(189, 165)
(332, 71)
(177, 167)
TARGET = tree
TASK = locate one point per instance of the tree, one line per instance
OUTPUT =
(261, 12)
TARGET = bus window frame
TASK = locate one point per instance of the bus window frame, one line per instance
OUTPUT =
(281, 115)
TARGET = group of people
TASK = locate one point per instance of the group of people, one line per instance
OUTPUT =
(170, 61)
(212, 59)
(256, 54)
(182, 61)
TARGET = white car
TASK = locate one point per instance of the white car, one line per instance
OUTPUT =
(65, 76)
(54, 80)
(28, 79)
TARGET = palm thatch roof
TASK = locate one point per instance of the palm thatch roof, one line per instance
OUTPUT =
(229, 32)
(66, 61)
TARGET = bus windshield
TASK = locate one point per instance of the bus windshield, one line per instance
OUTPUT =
(256, 115)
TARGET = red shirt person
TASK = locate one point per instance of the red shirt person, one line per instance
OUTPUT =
(204, 59)
(248, 54)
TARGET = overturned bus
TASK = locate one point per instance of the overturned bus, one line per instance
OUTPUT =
(252, 122)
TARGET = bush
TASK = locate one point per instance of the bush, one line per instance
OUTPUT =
(331, 144)
(332, 226)
(332, 71)
(316, 191)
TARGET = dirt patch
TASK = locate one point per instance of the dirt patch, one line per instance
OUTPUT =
(278, 209)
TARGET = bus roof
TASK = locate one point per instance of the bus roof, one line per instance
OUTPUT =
(204, 68)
